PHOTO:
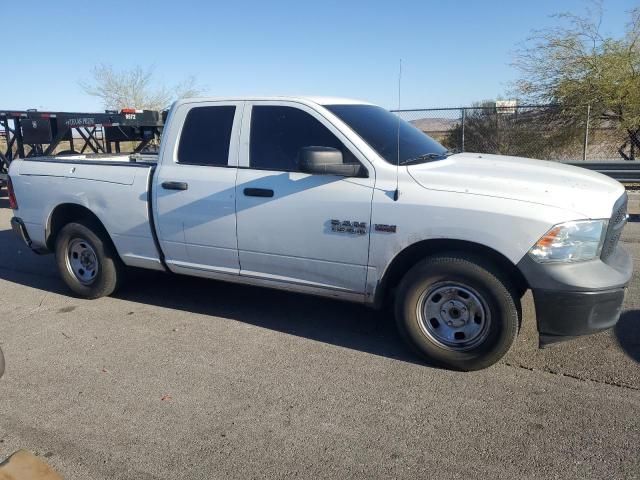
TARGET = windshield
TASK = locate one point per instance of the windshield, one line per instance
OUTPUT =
(379, 128)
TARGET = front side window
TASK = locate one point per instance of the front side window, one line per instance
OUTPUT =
(206, 135)
(279, 133)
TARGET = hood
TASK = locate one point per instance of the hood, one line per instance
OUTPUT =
(583, 191)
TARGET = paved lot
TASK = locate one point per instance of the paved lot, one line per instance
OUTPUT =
(185, 378)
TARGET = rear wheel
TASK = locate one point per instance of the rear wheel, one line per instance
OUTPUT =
(87, 261)
(456, 310)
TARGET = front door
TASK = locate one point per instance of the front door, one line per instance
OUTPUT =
(297, 227)
(194, 190)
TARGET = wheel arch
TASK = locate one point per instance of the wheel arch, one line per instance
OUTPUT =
(66, 213)
(412, 254)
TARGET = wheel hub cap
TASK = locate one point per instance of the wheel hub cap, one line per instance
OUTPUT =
(454, 313)
(82, 261)
(454, 316)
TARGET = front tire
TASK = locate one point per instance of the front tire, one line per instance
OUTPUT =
(87, 262)
(456, 310)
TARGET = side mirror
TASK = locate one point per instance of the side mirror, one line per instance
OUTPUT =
(326, 161)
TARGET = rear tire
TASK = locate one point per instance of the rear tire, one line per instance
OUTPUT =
(456, 310)
(87, 261)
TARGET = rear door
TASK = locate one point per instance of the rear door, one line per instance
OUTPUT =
(297, 227)
(194, 189)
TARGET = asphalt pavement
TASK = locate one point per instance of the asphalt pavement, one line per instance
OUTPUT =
(178, 377)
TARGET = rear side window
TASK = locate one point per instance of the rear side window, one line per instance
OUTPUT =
(279, 133)
(206, 135)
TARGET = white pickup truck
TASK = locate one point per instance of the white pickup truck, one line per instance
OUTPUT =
(340, 198)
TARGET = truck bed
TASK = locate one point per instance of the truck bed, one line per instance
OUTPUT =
(114, 187)
(101, 159)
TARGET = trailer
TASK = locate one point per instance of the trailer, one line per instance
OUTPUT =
(32, 133)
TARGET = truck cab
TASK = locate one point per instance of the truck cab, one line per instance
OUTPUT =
(341, 198)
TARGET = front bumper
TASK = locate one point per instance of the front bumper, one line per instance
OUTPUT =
(574, 299)
(565, 315)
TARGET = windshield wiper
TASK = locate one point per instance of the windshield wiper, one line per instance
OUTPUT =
(427, 156)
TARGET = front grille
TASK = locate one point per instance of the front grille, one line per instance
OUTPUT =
(616, 225)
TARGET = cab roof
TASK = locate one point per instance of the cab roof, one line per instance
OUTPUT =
(319, 100)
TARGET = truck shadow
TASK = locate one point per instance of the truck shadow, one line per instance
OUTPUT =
(329, 321)
(627, 332)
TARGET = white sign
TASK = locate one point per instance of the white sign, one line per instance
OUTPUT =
(506, 106)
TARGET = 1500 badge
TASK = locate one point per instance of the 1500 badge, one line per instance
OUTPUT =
(346, 226)
(383, 227)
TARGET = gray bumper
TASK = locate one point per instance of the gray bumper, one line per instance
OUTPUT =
(577, 298)
(18, 227)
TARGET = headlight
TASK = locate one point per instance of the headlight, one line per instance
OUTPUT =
(571, 242)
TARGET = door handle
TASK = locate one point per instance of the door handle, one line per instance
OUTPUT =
(175, 185)
(258, 192)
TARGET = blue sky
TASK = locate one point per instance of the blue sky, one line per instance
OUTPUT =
(453, 52)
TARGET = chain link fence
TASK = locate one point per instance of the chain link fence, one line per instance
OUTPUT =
(545, 132)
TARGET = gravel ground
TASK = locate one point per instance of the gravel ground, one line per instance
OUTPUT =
(177, 377)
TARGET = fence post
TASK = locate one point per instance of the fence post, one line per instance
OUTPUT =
(463, 116)
(586, 135)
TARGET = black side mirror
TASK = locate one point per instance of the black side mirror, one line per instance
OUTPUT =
(326, 161)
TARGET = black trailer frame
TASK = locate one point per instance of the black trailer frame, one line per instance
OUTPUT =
(31, 133)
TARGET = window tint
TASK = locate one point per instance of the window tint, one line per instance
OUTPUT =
(278, 134)
(206, 135)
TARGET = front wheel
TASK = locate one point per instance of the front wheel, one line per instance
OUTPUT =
(86, 260)
(456, 310)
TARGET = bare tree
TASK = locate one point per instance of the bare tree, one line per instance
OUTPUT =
(135, 88)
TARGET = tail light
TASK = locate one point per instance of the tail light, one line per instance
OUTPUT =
(13, 203)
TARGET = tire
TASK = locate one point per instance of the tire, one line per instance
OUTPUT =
(473, 316)
(87, 261)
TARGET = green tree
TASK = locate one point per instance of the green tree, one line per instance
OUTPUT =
(575, 65)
